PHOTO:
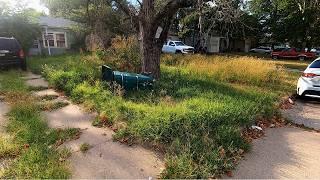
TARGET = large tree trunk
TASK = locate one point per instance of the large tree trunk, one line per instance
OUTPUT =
(151, 59)
(148, 22)
(150, 51)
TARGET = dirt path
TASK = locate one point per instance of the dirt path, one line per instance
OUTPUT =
(106, 158)
(287, 152)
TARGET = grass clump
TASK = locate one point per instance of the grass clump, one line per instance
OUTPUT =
(31, 140)
(52, 105)
(37, 159)
(7, 148)
(37, 88)
(49, 97)
(196, 111)
(84, 147)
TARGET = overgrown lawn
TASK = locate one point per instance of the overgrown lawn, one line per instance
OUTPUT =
(30, 142)
(195, 113)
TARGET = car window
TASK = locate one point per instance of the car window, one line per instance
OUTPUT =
(171, 44)
(9, 44)
(315, 64)
(180, 43)
(278, 49)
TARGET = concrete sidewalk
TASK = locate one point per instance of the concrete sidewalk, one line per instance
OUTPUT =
(105, 159)
(288, 152)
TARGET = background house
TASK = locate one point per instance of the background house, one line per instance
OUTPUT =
(56, 38)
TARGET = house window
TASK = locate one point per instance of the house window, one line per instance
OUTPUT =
(61, 40)
(49, 38)
(55, 39)
(35, 44)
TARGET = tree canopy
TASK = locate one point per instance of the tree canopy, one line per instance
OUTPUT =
(20, 23)
(294, 21)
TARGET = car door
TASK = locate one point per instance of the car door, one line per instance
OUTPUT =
(172, 47)
(294, 52)
(165, 48)
(285, 52)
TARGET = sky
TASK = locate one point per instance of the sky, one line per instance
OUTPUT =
(35, 4)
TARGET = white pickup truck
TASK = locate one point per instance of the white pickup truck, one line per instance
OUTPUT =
(177, 47)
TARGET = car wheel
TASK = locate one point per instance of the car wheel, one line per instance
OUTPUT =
(178, 52)
(274, 57)
(302, 58)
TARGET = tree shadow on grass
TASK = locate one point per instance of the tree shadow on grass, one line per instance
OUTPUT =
(181, 86)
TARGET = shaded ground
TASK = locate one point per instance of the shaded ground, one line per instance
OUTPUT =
(306, 111)
(105, 158)
(283, 153)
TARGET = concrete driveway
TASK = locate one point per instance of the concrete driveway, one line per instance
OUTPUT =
(306, 111)
(288, 152)
(284, 153)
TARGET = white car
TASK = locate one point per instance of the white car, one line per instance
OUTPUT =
(262, 50)
(177, 47)
(309, 82)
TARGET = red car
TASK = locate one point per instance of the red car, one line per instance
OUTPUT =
(293, 53)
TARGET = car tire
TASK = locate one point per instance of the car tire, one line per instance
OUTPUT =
(302, 58)
(178, 52)
(275, 57)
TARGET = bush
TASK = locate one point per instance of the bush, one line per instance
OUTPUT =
(124, 54)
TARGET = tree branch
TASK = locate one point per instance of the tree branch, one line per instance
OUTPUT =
(171, 8)
(126, 9)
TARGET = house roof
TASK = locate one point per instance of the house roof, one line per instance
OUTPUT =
(56, 22)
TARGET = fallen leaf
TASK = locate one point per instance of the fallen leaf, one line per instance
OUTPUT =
(229, 174)
(26, 146)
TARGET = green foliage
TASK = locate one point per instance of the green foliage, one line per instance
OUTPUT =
(22, 26)
(84, 147)
(30, 138)
(97, 16)
(194, 116)
(7, 148)
(10, 82)
(38, 162)
(123, 54)
(290, 21)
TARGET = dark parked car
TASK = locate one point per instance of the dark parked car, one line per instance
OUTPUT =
(11, 53)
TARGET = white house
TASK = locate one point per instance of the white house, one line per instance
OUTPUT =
(56, 38)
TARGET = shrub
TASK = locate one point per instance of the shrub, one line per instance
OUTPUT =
(123, 54)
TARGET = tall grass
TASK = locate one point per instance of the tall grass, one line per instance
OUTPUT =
(31, 143)
(247, 70)
(195, 111)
